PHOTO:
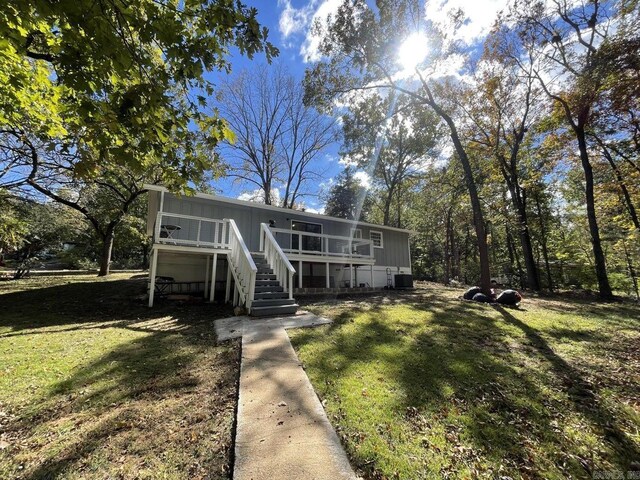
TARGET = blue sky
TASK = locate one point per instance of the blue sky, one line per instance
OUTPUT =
(289, 23)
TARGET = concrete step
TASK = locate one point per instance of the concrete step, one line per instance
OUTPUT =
(269, 288)
(273, 302)
(270, 295)
(275, 310)
(265, 276)
(268, 282)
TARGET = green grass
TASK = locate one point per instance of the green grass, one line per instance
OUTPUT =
(425, 385)
(93, 384)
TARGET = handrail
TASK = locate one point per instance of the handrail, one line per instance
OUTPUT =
(352, 242)
(277, 259)
(363, 241)
(217, 238)
(242, 266)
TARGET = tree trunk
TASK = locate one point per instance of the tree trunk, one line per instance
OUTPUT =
(476, 207)
(543, 243)
(623, 186)
(514, 256)
(533, 278)
(598, 255)
(107, 247)
(145, 255)
(447, 249)
(632, 271)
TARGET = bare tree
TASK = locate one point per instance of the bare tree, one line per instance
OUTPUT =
(278, 138)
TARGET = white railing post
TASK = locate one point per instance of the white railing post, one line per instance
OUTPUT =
(158, 226)
(198, 234)
(290, 285)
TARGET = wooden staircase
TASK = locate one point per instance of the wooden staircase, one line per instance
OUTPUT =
(270, 299)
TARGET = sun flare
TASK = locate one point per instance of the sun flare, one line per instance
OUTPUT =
(413, 51)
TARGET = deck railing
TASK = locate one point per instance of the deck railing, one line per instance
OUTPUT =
(178, 229)
(242, 266)
(306, 243)
(277, 259)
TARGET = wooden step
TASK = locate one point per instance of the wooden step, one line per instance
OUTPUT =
(267, 283)
(268, 288)
(270, 295)
(265, 276)
(274, 310)
(272, 302)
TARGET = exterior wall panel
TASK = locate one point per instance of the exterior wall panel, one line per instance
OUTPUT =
(395, 249)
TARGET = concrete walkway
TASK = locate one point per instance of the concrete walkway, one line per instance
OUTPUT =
(282, 430)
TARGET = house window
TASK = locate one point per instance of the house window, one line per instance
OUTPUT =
(356, 233)
(376, 238)
(309, 243)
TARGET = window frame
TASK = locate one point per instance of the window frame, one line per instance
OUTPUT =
(381, 238)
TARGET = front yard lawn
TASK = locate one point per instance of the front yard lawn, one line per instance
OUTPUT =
(93, 384)
(424, 385)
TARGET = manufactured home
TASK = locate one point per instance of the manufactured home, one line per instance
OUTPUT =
(260, 256)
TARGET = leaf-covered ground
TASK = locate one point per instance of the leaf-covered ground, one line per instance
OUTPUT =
(424, 385)
(93, 384)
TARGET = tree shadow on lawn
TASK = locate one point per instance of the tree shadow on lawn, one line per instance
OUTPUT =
(463, 370)
(583, 394)
(160, 402)
(97, 305)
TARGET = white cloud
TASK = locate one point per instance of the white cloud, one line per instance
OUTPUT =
(326, 184)
(310, 49)
(347, 161)
(479, 17)
(319, 210)
(294, 20)
(257, 196)
(363, 178)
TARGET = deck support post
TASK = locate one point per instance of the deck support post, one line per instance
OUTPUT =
(351, 275)
(206, 276)
(236, 296)
(227, 295)
(152, 275)
(299, 273)
(327, 284)
(214, 269)
(372, 286)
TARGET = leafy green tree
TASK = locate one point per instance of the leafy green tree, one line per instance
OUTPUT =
(127, 80)
(377, 130)
(360, 50)
(42, 228)
(566, 43)
(346, 197)
(104, 200)
(13, 228)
